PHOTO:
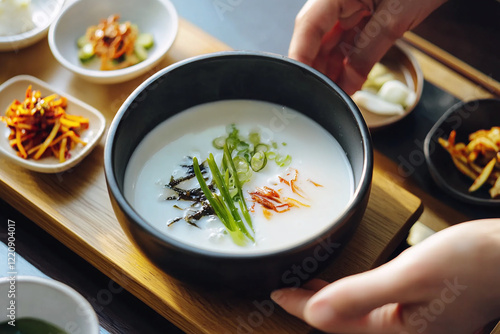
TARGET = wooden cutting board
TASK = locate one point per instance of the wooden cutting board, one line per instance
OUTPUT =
(74, 207)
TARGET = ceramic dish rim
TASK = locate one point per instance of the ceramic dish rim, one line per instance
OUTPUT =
(404, 48)
(30, 37)
(360, 189)
(118, 75)
(75, 159)
(434, 171)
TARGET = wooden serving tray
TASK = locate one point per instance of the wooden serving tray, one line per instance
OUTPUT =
(74, 207)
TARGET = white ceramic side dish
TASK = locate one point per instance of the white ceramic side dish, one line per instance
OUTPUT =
(156, 17)
(405, 68)
(46, 300)
(43, 13)
(15, 88)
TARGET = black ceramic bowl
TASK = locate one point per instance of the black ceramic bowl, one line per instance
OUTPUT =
(465, 118)
(238, 75)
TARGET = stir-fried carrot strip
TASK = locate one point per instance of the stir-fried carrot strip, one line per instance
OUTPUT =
(69, 123)
(53, 143)
(49, 98)
(77, 139)
(47, 141)
(62, 150)
(79, 119)
(25, 126)
(54, 151)
(19, 145)
(483, 176)
(38, 123)
(451, 138)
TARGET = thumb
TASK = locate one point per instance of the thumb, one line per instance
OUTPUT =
(368, 300)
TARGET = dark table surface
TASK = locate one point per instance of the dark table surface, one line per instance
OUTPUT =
(468, 30)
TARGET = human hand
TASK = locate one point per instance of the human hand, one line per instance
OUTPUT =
(449, 283)
(344, 38)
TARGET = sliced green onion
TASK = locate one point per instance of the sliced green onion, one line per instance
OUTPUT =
(232, 130)
(241, 164)
(235, 233)
(283, 161)
(226, 196)
(232, 142)
(261, 148)
(258, 161)
(244, 177)
(271, 155)
(219, 142)
(241, 198)
(219, 208)
(254, 138)
(242, 146)
(245, 155)
(223, 204)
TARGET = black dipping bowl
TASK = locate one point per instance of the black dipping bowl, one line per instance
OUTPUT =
(238, 75)
(465, 118)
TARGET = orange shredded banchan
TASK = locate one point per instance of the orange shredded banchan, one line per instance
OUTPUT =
(40, 127)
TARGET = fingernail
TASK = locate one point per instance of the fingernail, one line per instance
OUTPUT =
(277, 296)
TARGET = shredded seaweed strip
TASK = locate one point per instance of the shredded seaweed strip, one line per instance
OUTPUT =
(194, 195)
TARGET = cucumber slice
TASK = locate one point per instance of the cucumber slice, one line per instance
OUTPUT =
(140, 52)
(80, 42)
(145, 40)
(86, 53)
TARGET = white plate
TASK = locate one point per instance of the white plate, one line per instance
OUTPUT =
(15, 88)
(43, 14)
(157, 17)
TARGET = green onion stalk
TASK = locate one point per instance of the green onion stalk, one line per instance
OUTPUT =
(223, 203)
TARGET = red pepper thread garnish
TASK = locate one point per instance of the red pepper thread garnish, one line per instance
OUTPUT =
(272, 200)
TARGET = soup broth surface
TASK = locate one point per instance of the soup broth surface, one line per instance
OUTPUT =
(324, 182)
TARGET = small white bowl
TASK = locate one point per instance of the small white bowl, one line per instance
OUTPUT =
(157, 17)
(43, 14)
(47, 300)
(15, 88)
(405, 67)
